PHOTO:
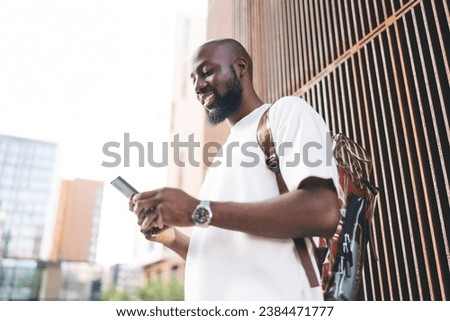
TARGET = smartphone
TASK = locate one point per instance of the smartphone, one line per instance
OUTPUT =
(124, 187)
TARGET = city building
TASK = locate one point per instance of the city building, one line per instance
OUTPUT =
(2, 228)
(77, 222)
(186, 166)
(46, 254)
(71, 272)
(27, 197)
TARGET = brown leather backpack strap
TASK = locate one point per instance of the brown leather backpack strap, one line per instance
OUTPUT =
(267, 144)
(305, 258)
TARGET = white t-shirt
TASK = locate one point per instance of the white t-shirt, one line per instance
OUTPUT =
(228, 265)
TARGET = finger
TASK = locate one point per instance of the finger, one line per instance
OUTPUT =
(147, 205)
(150, 223)
(163, 228)
(146, 224)
(152, 231)
(155, 234)
(144, 195)
(147, 214)
(131, 203)
(159, 222)
(149, 236)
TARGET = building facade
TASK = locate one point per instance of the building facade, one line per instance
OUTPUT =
(46, 254)
(77, 222)
(27, 194)
(70, 271)
(186, 166)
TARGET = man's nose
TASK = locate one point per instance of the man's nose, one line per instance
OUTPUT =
(199, 85)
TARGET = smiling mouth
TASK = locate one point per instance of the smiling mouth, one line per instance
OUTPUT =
(207, 101)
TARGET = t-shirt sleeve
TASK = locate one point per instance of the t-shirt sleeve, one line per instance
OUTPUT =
(303, 142)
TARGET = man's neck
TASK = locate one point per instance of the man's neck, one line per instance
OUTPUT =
(246, 107)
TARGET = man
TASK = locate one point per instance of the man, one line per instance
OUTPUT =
(242, 247)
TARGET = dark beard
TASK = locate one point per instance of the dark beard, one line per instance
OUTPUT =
(224, 106)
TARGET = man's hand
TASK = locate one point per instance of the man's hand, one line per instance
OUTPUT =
(158, 211)
(163, 207)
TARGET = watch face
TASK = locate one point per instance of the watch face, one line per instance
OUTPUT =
(201, 215)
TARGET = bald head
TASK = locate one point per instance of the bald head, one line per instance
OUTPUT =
(222, 77)
(231, 47)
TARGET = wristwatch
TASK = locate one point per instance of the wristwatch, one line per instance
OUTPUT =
(202, 214)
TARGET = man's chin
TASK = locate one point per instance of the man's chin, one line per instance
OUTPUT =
(219, 112)
(214, 117)
(214, 121)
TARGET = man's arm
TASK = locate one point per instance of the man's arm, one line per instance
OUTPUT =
(311, 210)
(180, 244)
(170, 237)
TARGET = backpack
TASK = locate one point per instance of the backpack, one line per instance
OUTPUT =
(340, 258)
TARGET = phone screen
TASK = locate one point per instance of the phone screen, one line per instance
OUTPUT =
(124, 187)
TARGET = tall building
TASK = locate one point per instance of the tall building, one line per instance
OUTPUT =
(2, 227)
(186, 166)
(27, 180)
(77, 222)
(27, 193)
(71, 272)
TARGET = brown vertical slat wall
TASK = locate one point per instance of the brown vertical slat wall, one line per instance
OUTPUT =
(379, 72)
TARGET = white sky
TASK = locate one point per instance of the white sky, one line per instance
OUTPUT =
(81, 73)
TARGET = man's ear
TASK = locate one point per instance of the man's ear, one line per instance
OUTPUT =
(242, 66)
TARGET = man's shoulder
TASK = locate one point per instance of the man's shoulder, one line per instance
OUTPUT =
(290, 106)
(290, 100)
